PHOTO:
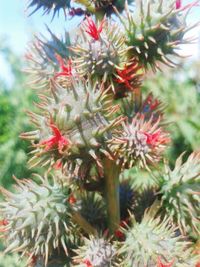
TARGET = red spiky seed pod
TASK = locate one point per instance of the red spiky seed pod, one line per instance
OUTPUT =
(100, 51)
(139, 141)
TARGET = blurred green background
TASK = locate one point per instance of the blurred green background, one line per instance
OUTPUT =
(14, 101)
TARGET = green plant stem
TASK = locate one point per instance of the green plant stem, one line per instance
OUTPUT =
(87, 4)
(86, 226)
(111, 172)
(138, 99)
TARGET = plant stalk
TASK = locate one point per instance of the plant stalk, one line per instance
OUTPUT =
(111, 172)
(86, 226)
(138, 99)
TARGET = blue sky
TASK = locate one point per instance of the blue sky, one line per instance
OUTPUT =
(20, 29)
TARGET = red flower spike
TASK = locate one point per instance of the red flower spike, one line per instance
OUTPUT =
(72, 199)
(58, 164)
(118, 232)
(152, 139)
(127, 75)
(56, 140)
(87, 263)
(150, 103)
(92, 29)
(178, 4)
(3, 223)
(66, 70)
(155, 138)
(33, 259)
(160, 264)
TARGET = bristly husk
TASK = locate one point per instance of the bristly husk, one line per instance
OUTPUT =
(140, 142)
(96, 252)
(154, 32)
(153, 240)
(100, 58)
(180, 189)
(83, 115)
(49, 6)
(39, 218)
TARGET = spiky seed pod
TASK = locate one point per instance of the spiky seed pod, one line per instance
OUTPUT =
(144, 201)
(180, 189)
(127, 198)
(127, 79)
(154, 239)
(106, 6)
(138, 192)
(49, 5)
(100, 51)
(43, 58)
(155, 31)
(80, 122)
(151, 107)
(96, 252)
(141, 180)
(92, 208)
(38, 218)
(140, 141)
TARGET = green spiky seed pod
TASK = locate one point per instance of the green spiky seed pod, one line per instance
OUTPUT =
(12, 260)
(38, 218)
(92, 208)
(96, 252)
(73, 123)
(49, 5)
(43, 58)
(127, 198)
(180, 189)
(154, 31)
(106, 6)
(155, 240)
(140, 141)
(141, 180)
(100, 50)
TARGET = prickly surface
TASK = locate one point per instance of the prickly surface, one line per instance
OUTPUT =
(140, 141)
(49, 5)
(38, 218)
(97, 252)
(154, 31)
(181, 193)
(100, 58)
(42, 58)
(155, 238)
(84, 116)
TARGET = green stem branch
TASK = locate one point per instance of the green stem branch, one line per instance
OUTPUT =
(86, 226)
(112, 172)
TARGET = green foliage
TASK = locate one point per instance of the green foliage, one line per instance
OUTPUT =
(179, 92)
(13, 103)
(11, 261)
